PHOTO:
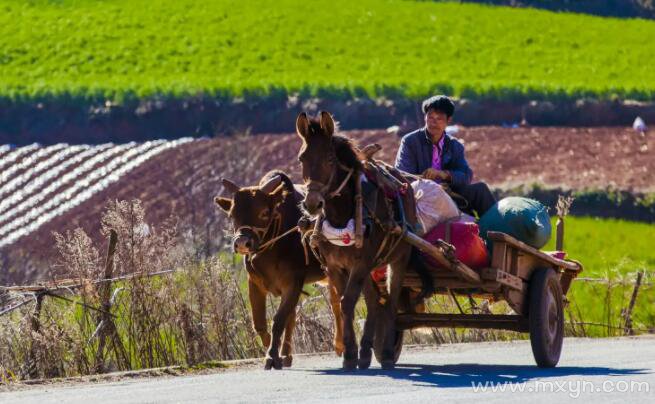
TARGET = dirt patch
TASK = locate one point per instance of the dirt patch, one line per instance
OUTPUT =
(183, 181)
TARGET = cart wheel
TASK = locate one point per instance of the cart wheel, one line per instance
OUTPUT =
(397, 348)
(546, 317)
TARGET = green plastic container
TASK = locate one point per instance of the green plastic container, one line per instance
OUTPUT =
(525, 219)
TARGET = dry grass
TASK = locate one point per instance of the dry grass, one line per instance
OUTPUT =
(198, 313)
(195, 314)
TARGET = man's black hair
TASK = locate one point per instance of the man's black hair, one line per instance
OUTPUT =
(439, 103)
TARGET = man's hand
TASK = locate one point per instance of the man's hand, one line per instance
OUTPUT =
(432, 174)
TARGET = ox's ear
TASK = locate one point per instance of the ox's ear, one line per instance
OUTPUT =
(224, 203)
(327, 123)
(302, 125)
(271, 184)
(230, 186)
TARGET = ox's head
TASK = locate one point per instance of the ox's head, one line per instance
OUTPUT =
(252, 211)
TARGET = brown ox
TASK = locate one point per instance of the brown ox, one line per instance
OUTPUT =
(260, 214)
(331, 165)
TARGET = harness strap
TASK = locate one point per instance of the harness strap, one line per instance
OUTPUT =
(275, 223)
(389, 234)
(337, 191)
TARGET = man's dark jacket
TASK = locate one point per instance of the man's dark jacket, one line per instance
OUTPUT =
(415, 156)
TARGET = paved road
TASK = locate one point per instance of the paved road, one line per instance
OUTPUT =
(608, 370)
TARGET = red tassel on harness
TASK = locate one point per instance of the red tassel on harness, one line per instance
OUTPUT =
(379, 274)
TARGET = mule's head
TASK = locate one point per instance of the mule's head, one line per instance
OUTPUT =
(252, 211)
(317, 158)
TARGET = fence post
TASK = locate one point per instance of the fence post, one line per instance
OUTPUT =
(105, 323)
(563, 206)
(628, 313)
(35, 325)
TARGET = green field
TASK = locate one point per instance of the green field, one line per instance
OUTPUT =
(608, 247)
(615, 250)
(331, 48)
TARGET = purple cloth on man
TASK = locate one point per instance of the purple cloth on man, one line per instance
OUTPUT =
(436, 154)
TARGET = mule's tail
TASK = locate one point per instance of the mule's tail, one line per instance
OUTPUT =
(417, 262)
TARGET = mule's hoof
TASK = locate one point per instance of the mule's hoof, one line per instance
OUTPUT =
(349, 364)
(388, 365)
(365, 357)
(287, 361)
(275, 363)
(364, 363)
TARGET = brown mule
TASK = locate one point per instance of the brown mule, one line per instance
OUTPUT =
(328, 163)
(260, 214)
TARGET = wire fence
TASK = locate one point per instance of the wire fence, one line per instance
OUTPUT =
(314, 332)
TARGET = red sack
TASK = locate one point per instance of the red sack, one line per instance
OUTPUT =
(465, 237)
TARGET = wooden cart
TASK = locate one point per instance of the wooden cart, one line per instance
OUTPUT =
(533, 283)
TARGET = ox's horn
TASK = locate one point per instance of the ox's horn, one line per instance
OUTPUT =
(271, 184)
(230, 186)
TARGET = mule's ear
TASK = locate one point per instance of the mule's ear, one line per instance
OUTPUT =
(302, 125)
(327, 122)
(230, 186)
(223, 203)
(271, 184)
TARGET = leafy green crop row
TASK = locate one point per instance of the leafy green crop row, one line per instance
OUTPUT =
(331, 48)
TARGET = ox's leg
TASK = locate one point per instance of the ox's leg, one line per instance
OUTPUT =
(335, 305)
(348, 302)
(372, 312)
(386, 322)
(258, 305)
(287, 345)
(287, 306)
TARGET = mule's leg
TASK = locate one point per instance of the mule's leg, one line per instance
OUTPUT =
(372, 308)
(335, 305)
(348, 302)
(386, 322)
(287, 306)
(287, 344)
(258, 306)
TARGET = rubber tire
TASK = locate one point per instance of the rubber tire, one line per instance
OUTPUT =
(397, 348)
(546, 317)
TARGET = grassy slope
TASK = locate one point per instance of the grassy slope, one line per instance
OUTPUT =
(380, 47)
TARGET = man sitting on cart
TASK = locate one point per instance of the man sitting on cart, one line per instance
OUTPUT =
(435, 155)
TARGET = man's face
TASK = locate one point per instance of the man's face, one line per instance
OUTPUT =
(436, 122)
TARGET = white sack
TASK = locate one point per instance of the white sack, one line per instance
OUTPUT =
(433, 204)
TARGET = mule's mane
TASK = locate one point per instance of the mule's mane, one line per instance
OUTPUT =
(347, 153)
(345, 149)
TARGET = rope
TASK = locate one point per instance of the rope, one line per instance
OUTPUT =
(275, 239)
(337, 192)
